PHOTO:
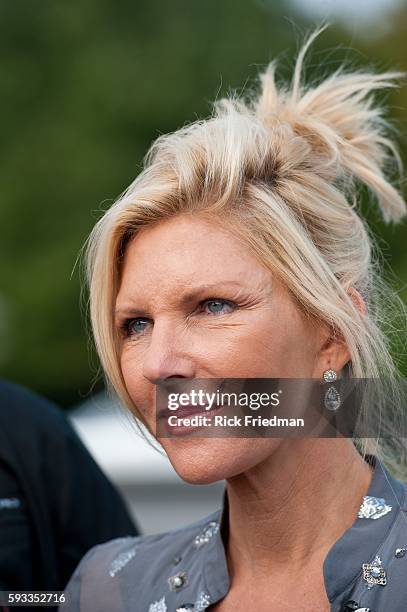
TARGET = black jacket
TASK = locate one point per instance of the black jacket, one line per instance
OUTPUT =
(55, 502)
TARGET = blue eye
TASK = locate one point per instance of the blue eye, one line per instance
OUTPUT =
(218, 306)
(133, 327)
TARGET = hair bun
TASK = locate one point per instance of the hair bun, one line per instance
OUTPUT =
(343, 132)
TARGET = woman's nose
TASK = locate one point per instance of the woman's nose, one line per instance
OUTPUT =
(168, 354)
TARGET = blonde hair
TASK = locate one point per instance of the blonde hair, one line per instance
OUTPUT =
(281, 168)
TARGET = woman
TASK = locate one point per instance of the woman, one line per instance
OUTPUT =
(238, 252)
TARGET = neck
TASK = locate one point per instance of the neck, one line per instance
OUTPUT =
(287, 512)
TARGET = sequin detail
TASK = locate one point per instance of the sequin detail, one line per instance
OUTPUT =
(121, 560)
(206, 534)
(178, 581)
(373, 507)
(158, 606)
(202, 602)
(374, 573)
(351, 605)
(400, 552)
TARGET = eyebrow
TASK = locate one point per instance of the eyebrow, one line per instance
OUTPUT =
(130, 312)
(186, 298)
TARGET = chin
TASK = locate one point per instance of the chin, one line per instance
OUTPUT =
(208, 460)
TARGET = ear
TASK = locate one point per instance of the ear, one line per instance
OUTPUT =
(334, 353)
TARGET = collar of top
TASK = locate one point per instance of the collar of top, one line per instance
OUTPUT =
(342, 566)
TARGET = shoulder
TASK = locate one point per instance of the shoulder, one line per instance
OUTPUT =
(15, 395)
(23, 408)
(39, 433)
(131, 565)
(110, 558)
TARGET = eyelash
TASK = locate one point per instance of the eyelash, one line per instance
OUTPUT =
(125, 325)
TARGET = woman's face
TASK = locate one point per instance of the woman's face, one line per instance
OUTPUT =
(194, 302)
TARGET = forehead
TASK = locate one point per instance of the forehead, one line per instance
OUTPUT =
(184, 251)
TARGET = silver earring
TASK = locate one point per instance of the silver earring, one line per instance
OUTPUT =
(330, 375)
(332, 399)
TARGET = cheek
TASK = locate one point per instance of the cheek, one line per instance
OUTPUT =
(139, 389)
(278, 344)
(130, 366)
(256, 347)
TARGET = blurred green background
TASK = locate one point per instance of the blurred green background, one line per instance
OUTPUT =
(85, 87)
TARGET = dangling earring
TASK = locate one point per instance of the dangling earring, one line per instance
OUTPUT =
(332, 399)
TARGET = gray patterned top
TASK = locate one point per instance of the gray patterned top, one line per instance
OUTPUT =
(186, 570)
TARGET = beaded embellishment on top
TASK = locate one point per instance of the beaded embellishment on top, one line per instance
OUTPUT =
(374, 573)
(400, 552)
(158, 606)
(373, 507)
(121, 560)
(206, 534)
(178, 581)
(202, 602)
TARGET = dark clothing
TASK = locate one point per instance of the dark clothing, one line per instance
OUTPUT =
(55, 502)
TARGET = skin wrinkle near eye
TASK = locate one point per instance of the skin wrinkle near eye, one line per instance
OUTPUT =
(241, 299)
(125, 324)
(193, 294)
